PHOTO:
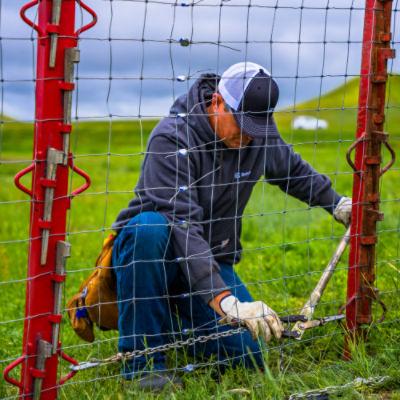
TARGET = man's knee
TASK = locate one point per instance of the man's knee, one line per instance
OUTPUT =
(148, 232)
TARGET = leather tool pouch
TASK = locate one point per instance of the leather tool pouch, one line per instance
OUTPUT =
(96, 302)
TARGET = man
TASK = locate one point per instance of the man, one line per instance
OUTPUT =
(180, 237)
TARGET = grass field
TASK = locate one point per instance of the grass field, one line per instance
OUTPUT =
(286, 245)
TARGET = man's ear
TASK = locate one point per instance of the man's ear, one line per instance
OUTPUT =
(216, 101)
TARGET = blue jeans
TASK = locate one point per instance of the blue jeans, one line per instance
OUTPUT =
(152, 310)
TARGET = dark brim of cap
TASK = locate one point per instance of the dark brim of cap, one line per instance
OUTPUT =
(256, 127)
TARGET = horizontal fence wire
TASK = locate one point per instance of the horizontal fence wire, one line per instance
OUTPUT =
(141, 58)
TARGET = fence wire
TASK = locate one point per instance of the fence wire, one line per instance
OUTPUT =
(142, 57)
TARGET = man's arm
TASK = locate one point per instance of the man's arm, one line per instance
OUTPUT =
(170, 184)
(296, 177)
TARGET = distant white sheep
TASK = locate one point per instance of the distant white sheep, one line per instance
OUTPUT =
(309, 123)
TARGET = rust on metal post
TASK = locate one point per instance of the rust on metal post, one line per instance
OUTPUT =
(367, 165)
(373, 159)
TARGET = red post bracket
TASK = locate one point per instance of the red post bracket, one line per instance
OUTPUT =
(55, 28)
(91, 23)
(350, 150)
(37, 373)
(27, 20)
(70, 360)
(19, 176)
(83, 175)
(10, 367)
(51, 183)
(66, 85)
(391, 162)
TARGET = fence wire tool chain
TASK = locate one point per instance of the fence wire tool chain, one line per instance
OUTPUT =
(287, 334)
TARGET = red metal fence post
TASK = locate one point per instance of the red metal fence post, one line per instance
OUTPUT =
(56, 55)
(367, 165)
(49, 115)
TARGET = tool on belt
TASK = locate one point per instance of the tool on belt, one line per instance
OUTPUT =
(96, 301)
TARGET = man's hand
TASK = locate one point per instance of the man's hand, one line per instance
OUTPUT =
(256, 316)
(342, 212)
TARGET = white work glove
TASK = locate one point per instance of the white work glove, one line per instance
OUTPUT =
(256, 316)
(342, 212)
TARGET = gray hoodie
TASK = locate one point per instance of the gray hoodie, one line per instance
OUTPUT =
(203, 194)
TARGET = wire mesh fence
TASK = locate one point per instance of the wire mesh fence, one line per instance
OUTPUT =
(198, 202)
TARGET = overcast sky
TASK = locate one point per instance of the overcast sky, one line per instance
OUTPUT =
(317, 41)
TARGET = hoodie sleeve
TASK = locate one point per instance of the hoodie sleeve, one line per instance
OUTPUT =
(170, 183)
(296, 177)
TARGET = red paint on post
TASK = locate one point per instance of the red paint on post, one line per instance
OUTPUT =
(48, 133)
(49, 113)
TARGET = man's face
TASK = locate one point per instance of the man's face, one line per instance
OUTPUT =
(225, 125)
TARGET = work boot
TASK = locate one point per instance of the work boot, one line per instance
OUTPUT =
(158, 380)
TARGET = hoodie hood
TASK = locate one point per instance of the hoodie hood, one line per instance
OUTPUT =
(193, 105)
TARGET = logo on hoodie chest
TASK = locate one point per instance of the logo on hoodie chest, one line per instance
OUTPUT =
(241, 174)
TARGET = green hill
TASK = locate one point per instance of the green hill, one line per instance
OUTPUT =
(346, 95)
(339, 108)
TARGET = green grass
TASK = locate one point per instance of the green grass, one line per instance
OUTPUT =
(286, 245)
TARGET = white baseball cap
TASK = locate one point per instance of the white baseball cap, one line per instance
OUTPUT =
(250, 91)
